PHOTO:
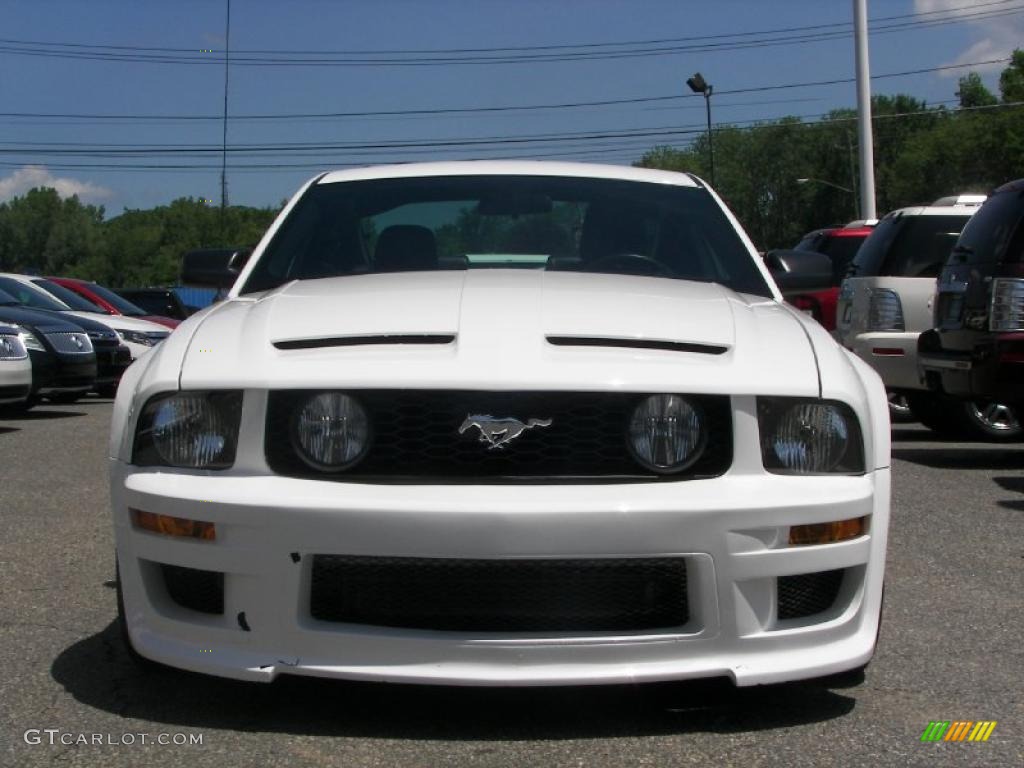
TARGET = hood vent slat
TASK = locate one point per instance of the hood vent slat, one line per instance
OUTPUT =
(668, 346)
(356, 341)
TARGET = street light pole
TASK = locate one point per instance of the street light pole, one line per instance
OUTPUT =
(867, 154)
(699, 85)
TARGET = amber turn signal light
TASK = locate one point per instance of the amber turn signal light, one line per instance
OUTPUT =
(173, 526)
(827, 533)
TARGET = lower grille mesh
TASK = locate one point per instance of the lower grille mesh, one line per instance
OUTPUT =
(501, 595)
(808, 594)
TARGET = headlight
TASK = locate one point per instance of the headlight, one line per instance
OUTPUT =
(197, 430)
(331, 431)
(29, 339)
(12, 347)
(138, 337)
(666, 433)
(809, 437)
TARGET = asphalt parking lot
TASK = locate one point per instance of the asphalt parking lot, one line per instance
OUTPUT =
(951, 649)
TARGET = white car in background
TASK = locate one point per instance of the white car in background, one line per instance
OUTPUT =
(886, 303)
(493, 423)
(140, 336)
(15, 367)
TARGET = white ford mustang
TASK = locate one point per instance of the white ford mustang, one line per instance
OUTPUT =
(502, 424)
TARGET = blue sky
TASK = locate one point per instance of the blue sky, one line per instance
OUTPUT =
(32, 83)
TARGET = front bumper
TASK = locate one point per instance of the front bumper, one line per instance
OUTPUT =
(732, 532)
(15, 380)
(892, 355)
(54, 373)
(991, 369)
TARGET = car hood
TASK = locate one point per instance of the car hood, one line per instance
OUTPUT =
(502, 329)
(41, 320)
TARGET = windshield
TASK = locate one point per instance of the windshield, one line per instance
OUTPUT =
(124, 306)
(508, 222)
(986, 238)
(30, 296)
(6, 300)
(908, 246)
(69, 297)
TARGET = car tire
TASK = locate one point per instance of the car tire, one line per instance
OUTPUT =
(965, 420)
(107, 390)
(899, 408)
(140, 661)
(990, 421)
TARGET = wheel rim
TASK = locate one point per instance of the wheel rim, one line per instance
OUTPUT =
(898, 404)
(995, 416)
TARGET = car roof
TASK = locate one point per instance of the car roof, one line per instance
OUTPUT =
(512, 168)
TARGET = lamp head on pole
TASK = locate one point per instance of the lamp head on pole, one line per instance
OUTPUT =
(698, 84)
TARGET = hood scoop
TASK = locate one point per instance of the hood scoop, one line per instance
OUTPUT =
(668, 346)
(366, 340)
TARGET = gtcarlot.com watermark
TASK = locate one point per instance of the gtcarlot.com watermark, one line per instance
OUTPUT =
(56, 736)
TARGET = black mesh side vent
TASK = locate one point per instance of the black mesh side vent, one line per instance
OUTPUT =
(197, 590)
(808, 594)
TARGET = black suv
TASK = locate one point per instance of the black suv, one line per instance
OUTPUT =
(976, 349)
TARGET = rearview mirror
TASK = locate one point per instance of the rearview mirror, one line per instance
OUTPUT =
(800, 270)
(213, 267)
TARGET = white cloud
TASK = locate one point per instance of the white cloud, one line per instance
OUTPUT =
(993, 38)
(30, 176)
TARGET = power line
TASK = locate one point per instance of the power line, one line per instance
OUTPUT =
(488, 109)
(582, 142)
(493, 56)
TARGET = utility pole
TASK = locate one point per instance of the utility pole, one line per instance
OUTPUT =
(224, 138)
(867, 153)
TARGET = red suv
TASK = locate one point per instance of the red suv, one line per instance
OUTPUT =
(110, 301)
(840, 244)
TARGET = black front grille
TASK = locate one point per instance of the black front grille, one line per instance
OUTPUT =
(808, 594)
(197, 590)
(416, 437)
(592, 595)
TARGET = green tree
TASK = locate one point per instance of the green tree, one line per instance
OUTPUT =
(973, 93)
(41, 232)
(1011, 81)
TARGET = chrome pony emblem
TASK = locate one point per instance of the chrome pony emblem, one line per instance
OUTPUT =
(497, 432)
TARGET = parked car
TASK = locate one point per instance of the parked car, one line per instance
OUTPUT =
(15, 369)
(840, 244)
(976, 350)
(161, 301)
(433, 435)
(61, 353)
(108, 301)
(140, 336)
(886, 303)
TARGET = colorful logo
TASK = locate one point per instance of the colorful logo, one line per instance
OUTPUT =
(958, 730)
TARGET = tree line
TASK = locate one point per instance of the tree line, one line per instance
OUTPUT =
(921, 153)
(42, 233)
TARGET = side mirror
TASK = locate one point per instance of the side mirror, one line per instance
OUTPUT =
(795, 271)
(213, 267)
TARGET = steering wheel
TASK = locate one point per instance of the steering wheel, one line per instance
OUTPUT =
(631, 264)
